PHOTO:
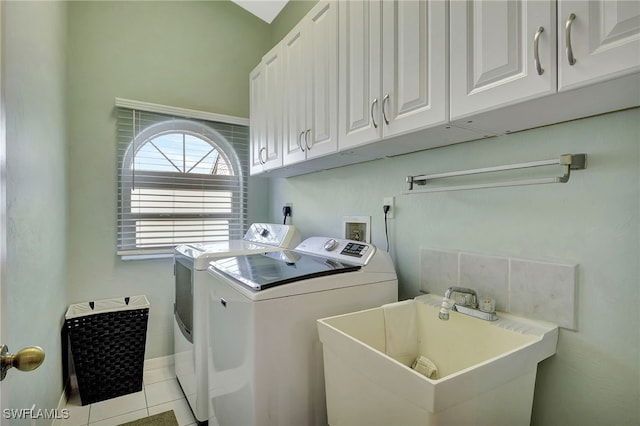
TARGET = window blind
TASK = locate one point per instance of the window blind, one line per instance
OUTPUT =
(179, 181)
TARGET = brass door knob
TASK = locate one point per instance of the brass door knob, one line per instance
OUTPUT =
(26, 359)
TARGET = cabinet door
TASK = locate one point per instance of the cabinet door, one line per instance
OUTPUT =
(273, 108)
(604, 40)
(414, 50)
(322, 132)
(360, 72)
(492, 53)
(295, 96)
(257, 121)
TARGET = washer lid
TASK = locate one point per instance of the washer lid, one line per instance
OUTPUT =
(262, 271)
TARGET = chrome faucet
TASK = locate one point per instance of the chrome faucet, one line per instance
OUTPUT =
(448, 304)
(468, 307)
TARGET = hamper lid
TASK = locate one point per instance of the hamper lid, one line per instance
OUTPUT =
(107, 305)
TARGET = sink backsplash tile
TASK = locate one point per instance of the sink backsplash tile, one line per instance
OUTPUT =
(543, 291)
(487, 275)
(530, 288)
(438, 270)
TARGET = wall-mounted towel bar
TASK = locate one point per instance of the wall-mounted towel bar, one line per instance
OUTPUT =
(568, 161)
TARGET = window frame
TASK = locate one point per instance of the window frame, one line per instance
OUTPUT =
(235, 182)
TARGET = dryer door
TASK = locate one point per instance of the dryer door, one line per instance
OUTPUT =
(183, 305)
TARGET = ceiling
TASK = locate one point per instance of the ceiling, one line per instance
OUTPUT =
(266, 10)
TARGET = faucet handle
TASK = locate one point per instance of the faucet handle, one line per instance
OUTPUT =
(487, 304)
(465, 299)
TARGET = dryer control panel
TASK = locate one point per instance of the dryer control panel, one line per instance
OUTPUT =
(354, 252)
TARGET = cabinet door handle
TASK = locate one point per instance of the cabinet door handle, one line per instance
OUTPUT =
(567, 36)
(300, 141)
(384, 113)
(373, 119)
(536, 51)
(263, 149)
(306, 139)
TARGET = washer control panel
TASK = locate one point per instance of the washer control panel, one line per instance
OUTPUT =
(355, 249)
(331, 244)
(354, 252)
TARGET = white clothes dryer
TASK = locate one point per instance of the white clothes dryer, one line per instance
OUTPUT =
(190, 266)
(264, 356)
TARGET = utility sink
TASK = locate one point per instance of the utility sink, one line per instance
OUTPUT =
(486, 370)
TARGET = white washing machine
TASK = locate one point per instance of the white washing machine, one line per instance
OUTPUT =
(264, 357)
(190, 266)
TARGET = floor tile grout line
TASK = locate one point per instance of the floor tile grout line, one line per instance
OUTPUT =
(146, 401)
(146, 408)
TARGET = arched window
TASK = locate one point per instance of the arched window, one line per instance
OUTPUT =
(181, 181)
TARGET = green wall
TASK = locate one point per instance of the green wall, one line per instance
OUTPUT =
(195, 55)
(288, 17)
(34, 84)
(593, 220)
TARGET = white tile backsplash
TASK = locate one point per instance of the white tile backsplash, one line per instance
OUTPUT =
(438, 270)
(487, 275)
(530, 288)
(544, 291)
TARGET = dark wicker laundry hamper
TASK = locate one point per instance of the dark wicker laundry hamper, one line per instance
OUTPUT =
(107, 340)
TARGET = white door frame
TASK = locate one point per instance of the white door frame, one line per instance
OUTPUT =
(4, 397)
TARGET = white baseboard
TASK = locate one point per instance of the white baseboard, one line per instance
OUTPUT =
(62, 403)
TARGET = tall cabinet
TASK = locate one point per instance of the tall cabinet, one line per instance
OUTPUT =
(393, 68)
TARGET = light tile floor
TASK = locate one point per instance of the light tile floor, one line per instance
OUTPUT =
(161, 392)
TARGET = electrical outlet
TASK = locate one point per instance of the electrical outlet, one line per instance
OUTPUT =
(388, 201)
(290, 206)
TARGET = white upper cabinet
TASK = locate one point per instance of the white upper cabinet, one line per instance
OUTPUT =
(272, 156)
(357, 80)
(414, 71)
(393, 68)
(257, 120)
(598, 40)
(501, 52)
(322, 111)
(360, 74)
(295, 96)
(310, 53)
(266, 113)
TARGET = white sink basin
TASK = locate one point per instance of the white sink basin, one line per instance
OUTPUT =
(486, 370)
